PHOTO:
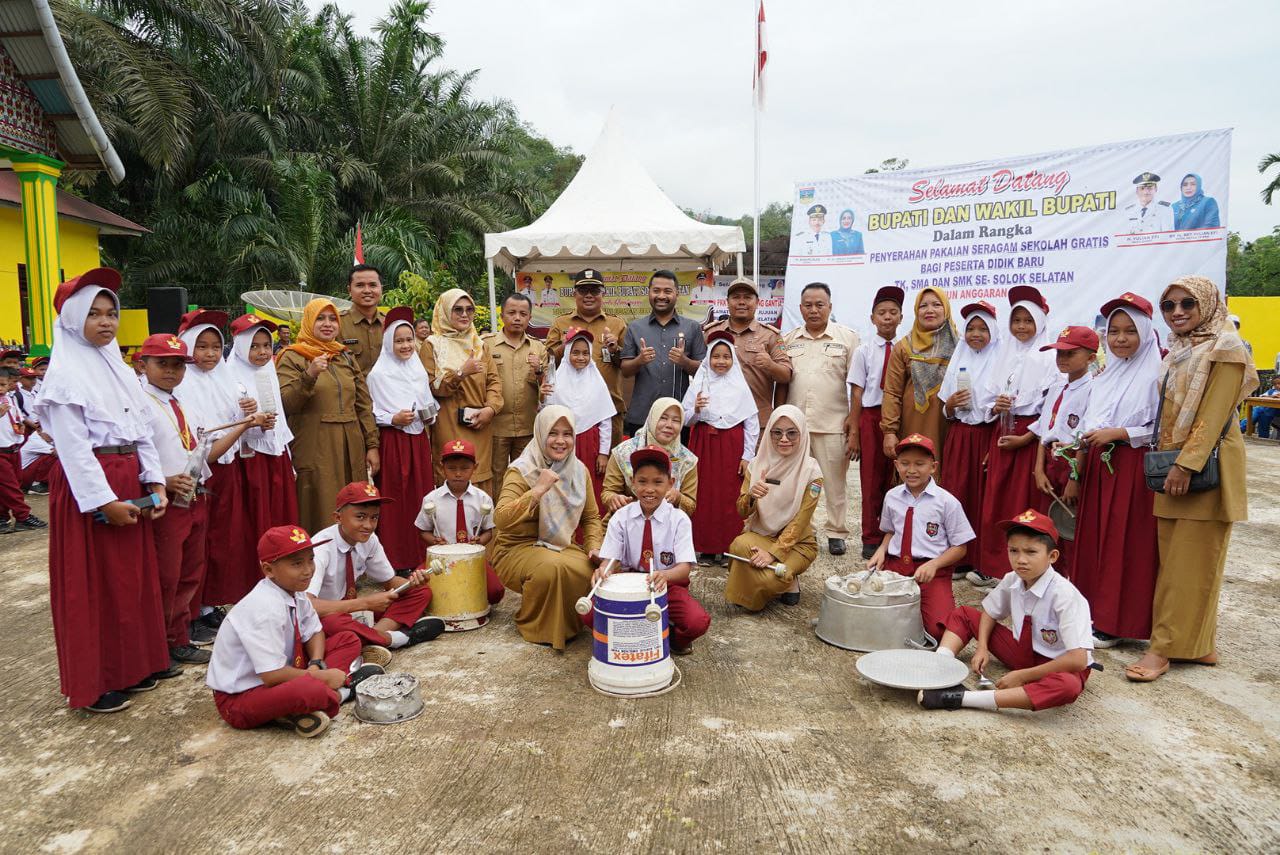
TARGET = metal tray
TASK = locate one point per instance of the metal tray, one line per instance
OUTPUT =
(912, 669)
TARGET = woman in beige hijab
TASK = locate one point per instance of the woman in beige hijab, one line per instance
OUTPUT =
(1205, 376)
(778, 497)
(465, 382)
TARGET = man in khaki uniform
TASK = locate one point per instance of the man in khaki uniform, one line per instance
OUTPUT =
(521, 361)
(764, 362)
(360, 327)
(588, 314)
(820, 353)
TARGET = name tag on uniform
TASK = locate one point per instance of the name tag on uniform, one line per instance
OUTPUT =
(351, 341)
(834, 348)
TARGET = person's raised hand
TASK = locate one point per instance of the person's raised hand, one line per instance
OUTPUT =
(318, 366)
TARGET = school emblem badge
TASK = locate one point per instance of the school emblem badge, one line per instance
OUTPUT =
(253, 319)
(1050, 636)
(668, 558)
(1127, 297)
(646, 557)
(173, 343)
(1073, 420)
(1066, 331)
(1026, 517)
(298, 535)
(931, 529)
(370, 490)
(458, 446)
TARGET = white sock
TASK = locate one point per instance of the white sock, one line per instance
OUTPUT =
(398, 638)
(204, 610)
(946, 651)
(345, 693)
(979, 700)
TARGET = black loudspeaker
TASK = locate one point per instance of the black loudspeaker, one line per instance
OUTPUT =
(165, 308)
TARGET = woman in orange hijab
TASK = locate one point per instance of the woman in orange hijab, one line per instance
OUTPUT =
(335, 439)
(916, 368)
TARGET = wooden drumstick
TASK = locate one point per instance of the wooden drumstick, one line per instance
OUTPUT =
(583, 605)
(779, 569)
(652, 612)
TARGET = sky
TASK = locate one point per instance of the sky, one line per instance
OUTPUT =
(852, 83)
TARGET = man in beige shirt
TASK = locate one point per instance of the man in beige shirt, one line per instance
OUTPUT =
(588, 314)
(521, 361)
(764, 362)
(820, 353)
(360, 327)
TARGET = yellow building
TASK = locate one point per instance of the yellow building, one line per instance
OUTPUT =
(47, 127)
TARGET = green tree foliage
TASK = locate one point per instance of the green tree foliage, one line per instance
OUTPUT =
(775, 221)
(256, 135)
(421, 292)
(1253, 268)
(1273, 187)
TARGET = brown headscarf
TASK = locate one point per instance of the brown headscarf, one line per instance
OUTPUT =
(930, 351)
(307, 344)
(452, 348)
(1192, 354)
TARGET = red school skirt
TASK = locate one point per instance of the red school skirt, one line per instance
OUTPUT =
(963, 475)
(586, 447)
(233, 567)
(406, 475)
(1117, 556)
(104, 590)
(271, 491)
(715, 520)
(1013, 473)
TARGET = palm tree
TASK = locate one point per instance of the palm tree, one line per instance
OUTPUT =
(1274, 187)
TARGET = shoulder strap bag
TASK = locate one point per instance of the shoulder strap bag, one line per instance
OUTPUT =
(1156, 465)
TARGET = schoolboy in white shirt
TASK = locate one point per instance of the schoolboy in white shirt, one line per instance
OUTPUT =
(459, 511)
(12, 436)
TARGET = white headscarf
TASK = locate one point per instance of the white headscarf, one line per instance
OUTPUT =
(730, 399)
(245, 377)
(1127, 391)
(397, 384)
(93, 378)
(583, 392)
(977, 364)
(560, 509)
(794, 473)
(1020, 367)
(209, 397)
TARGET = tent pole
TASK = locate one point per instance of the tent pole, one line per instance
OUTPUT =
(493, 299)
(740, 266)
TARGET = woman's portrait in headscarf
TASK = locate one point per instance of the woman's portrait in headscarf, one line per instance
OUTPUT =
(1194, 210)
(846, 240)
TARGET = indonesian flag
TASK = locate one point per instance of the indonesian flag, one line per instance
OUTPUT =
(359, 254)
(762, 56)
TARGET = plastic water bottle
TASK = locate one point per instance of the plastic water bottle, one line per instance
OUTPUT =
(964, 384)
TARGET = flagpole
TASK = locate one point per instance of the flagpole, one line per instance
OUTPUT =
(755, 198)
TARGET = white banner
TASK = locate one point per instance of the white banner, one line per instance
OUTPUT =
(1082, 226)
(770, 307)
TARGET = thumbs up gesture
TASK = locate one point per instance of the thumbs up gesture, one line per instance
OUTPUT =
(647, 354)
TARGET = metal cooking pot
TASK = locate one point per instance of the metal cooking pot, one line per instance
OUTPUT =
(856, 617)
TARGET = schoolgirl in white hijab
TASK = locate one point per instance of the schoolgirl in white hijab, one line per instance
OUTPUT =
(584, 392)
(209, 395)
(1020, 369)
(257, 381)
(397, 384)
(729, 399)
(978, 365)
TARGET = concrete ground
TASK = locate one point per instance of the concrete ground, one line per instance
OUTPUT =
(772, 743)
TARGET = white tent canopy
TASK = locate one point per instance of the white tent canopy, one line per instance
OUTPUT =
(612, 210)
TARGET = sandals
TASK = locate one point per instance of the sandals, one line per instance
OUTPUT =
(1140, 674)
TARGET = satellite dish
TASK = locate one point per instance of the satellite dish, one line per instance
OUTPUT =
(288, 305)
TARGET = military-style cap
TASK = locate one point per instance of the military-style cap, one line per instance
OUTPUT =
(589, 278)
(817, 209)
(1128, 300)
(164, 345)
(1147, 178)
(1033, 520)
(742, 282)
(1073, 337)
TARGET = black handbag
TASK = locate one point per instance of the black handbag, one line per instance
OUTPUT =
(1156, 465)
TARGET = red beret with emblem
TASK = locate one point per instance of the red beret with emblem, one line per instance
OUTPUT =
(165, 344)
(98, 277)
(579, 332)
(283, 540)
(1128, 300)
(396, 314)
(458, 448)
(980, 306)
(196, 317)
(892, 293)
(248, 322)
(1027, 294)
(651, 454)
(718, 336)
(360, 493)
(1033, 520)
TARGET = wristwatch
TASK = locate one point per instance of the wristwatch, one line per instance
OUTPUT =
(319, 663)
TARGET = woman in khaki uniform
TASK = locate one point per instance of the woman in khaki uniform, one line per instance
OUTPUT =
(463, 375)
(661, 428)
(335, 439)
(917, 364)
(778, 497)
(1208, 374)
(546, 495)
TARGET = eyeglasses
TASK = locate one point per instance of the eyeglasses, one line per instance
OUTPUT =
(788, 435)
(464, 310)
(1186, 304)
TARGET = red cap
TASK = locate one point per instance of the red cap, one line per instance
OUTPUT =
(579, 332)
(164, 344)
(135, 357)
(720, 335)
(1025, 293)
(916, 440)
(195, 317)
(283, 540)
(1033, 520)
(892, 293)
(458, 448)
(40, 360)
(101, 277)
(980, 306)
(24, 371)
(248, 322)
(398, 313)
(1128, 300)
(1073, 337)
(651, 454)
(360, 493)
(11, 353)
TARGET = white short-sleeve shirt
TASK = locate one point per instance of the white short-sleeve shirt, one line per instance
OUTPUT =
(441, 520)
(164, 432)
(367, 559)
(1070, 415)
(937, 524)
(867, 368)
(1060, 619)
(258, 636)
(672, 537)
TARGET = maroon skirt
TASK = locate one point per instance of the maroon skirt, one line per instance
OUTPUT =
(271, 492)
(587, 448)
(715, 520)
(233, 567)
(104, 591)
(406, 475)
(1014, 473)
(1117, 557)
(964, 475)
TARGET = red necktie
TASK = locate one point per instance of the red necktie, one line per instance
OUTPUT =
(188, 442)
(299, 657)
(905, 550)
(646, 545)
(888, 347)
(461, 525)
(351, 576)
(1053, 416)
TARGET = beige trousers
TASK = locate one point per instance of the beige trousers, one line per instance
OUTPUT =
(828, 449)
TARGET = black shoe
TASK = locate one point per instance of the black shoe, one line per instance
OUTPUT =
(676, 650)
(39, 488)
(201, 634)
(706, 559)
(190, 654)
(941, 699)
(869, 549)
(364, 672)
(31, 523)
(790, 598)
(146, 684)
(174, 670)
(306, 725)
(109, 703)
(213, 619)
(835, 546)
(425, 629)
